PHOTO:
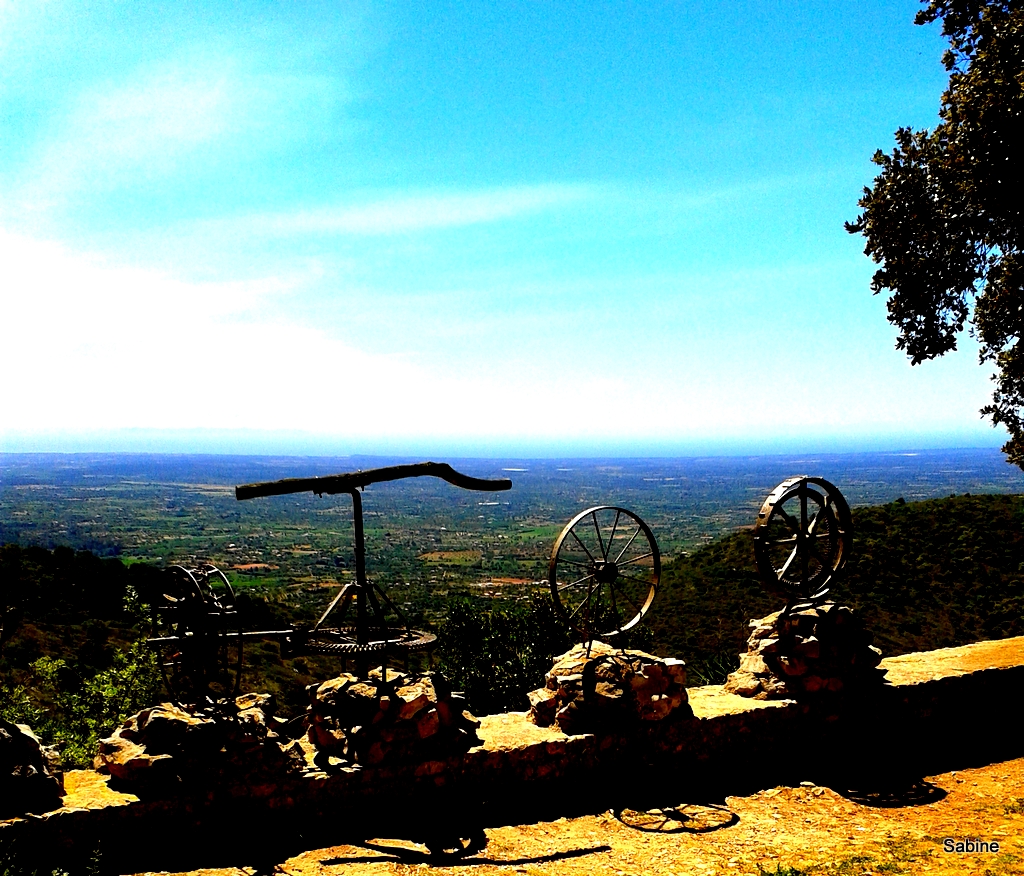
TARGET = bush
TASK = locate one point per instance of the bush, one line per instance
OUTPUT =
(74, 712)
(16, 704)
(497, 654)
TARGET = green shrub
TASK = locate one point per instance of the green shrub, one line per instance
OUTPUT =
(74, 712)
(16, 704)
(497, 654)
(712, 669)
(23, 857)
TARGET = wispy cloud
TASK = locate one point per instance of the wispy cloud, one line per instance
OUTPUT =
(101, 344)
(185, 116)
(122, 133)
(411, 212)
(402, 214)
(104, 347)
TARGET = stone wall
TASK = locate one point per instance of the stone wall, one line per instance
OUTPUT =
(938, 710)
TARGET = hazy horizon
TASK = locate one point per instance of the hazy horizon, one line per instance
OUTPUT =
(205, 444)
(97, 498)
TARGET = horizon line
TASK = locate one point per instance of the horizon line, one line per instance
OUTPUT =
(494, 455)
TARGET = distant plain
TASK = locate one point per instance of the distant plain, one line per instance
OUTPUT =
(423, 536)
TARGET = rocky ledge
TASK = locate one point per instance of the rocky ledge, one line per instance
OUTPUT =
(808, 651)
(596, 687)
(30, 776)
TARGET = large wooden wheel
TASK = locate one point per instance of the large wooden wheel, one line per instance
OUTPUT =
(802, 538)
(604, 571)
(197, 634)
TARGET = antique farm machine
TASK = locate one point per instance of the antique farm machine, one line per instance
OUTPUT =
(196, 622)
(603, 575)
(605, 566)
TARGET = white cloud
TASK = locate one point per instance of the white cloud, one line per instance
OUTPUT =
(185, 116)
(91, 346)
(418, 212)
(169, 112)
(116, 134)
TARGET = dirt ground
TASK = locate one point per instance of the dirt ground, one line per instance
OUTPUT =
(786, 830)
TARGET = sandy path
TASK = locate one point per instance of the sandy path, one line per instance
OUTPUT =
(783, 830)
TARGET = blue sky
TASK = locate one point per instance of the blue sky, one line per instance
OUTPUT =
(476, 227)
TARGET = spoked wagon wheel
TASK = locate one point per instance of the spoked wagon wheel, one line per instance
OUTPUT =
(802, 538)
(604, 571)
(197, 634)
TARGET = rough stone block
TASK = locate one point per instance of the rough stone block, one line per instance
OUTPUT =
(676, 670)
(744, 684)
(328, 691)
(792, 667)
(414, 698)
(27, 784)
(428, 724)
(753, 664)
(430, 768)
(543, 705)
(657, 708)
(812, 683)
(809, 647)
(262, 701)
(567, 717)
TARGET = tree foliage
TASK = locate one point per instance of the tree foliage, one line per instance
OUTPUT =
(66, 586)
(944, 216)
(87, 613)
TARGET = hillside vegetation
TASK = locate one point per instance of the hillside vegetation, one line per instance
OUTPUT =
(925, 575)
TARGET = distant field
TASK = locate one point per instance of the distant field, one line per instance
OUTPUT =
(423, 536)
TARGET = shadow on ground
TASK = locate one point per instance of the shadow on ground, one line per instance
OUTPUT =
(873, 757)
(918, 792)
(470, 858)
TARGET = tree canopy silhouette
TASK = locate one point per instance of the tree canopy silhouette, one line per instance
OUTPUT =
(944, 217)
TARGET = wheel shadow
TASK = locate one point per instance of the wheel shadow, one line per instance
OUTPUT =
(906, 792)
(469, 857)
(682, 818)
